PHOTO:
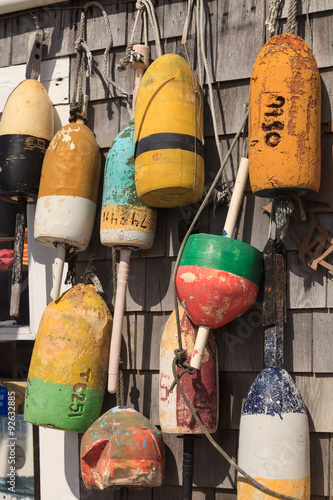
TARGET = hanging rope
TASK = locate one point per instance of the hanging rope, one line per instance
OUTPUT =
(180, 359)
(200, 17)
(144, 7)
(291, 20)
(89, 274)
(149, 8)
(273, 14)
(82, 49)
(253, 482)
(180, 353)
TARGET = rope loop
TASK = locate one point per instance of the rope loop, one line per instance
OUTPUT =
(181, 361)
(146, 7)
(130, 57)
(139, 5)
(76, 114)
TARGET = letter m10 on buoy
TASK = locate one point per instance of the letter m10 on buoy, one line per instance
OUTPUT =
(284, 119)
(169, 163)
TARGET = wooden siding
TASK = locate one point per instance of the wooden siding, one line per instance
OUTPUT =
(235, 34)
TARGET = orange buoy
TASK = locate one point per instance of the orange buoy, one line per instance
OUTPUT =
(169, 163)
(68, 369)
(284, 119)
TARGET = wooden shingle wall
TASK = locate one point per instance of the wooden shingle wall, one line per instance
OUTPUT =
(235, 33)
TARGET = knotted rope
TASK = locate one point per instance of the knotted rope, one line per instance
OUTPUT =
(274, 12)
(82, 49)
(202, 60)
(273, 15)
(144, 7)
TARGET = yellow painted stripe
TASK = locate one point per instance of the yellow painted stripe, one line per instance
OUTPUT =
(298, 488)
(72, 344)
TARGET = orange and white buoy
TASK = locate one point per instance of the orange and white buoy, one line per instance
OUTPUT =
(67, 197)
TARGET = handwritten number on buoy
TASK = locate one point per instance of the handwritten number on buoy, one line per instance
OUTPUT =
(76, 408)
(271, 125)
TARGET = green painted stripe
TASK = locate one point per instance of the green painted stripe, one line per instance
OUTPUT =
(48, 404)
(218, 252)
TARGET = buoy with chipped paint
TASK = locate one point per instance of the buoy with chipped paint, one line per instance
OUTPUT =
(274, 439)
(67, 197)
(122, 448)
(169, 162)
(201, 388)
(218, 277)
(68, 369)
(126, 223)
(284, 119)
(274, 443)
(26, 129)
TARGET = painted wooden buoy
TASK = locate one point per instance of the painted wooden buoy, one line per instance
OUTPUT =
(68, 369)
(26, 128)
(67, 197)
(122, 448)
(284, 119)
(274, 438)
(218, 277)
(274, 431)
(169, 163)
(201, 388)
(217, 280)
(126, 223)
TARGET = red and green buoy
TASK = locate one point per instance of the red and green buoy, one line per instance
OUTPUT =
(218, 277)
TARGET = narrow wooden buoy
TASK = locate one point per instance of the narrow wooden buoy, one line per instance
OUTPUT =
(284, 119)
(122, 448)
(201, 388)
(26, 129)
(126, 223)
(68, 369)
(274, 438)
(68, 192)
(169, 162)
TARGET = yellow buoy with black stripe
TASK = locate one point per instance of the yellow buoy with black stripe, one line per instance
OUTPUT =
(169, 162)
